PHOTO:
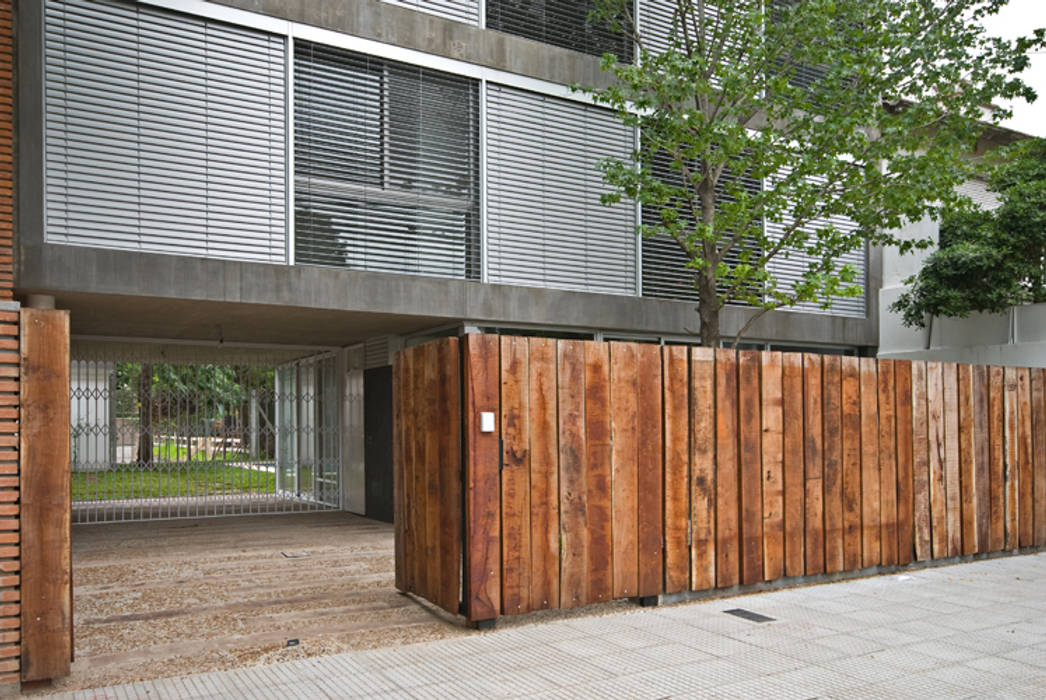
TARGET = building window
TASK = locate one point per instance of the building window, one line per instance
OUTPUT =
(562, 23)
(386, 165)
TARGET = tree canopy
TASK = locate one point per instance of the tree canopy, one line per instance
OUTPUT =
(858, 110)
(988, 260)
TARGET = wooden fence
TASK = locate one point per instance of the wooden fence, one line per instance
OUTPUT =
(626, 469)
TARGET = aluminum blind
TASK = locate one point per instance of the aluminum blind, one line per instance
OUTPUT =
(386, 165)
(164, 132)
(546, 225)
(655, 23)
(561, 23)
(461, 10)
(977, 190)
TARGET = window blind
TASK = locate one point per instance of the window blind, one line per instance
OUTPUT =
(546, 225)
(460, 10)
(164, 132)
(563, 23)
(386, 165)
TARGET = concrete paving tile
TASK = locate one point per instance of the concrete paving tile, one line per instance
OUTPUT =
(572, 672)
(585, 646)
(943, 650)
(634, 639)
(1007, 668)
(918, 685)
(868, 668)
(765, 661)
(811, 652)
(1028, 655)
(972, 680)
(621, 663)
(672, 654)
(716, 645)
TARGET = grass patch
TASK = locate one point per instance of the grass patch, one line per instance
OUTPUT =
(170, 481)
(168, 451)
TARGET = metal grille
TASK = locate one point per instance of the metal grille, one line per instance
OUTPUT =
(164, 132)
(460, 10)
(156, 439)
(386, 165)
(563, 23)
(546, 226)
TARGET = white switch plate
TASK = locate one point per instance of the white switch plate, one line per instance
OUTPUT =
(486, 421)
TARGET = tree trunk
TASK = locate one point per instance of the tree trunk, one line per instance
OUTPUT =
(145, 415)
(708, 309)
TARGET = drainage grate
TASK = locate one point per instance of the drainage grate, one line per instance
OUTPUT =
(295, 555)
(748, 615)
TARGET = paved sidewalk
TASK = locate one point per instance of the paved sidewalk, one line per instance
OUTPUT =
(964, 631)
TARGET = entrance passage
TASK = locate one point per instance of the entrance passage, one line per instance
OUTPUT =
(161, 431)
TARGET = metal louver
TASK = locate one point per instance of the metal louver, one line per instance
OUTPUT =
(563, 23)
(546, 225)
(460, 10)
(386, 165)
(164, 132)
(977, 190)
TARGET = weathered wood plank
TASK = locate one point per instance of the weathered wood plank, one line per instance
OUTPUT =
(937, 455)
(772, 475)
(1012, 458)
(905, 498)
(419, 468)
(1026, 518)
(433, 423)
(677, 468)
(45, 500)
(651, 470)
(794, 478)
(851, 430)
(398, 509)
(920, 464)
(996, 459)
(833, 463)
(515, 475)
(1038, 395)
(750, 464)
(967, 457)
(887, 462)
(410, 458)
(598, 472)
(952, 440)
(572, 475)
(728, 531)
(482, 481)
(624, 422)
(871, 507)
(702, 461)
(544, 475)
(982, 457)
(450, 474)
(813, 458)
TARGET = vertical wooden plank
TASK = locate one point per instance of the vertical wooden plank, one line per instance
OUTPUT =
(772, 474)
(598, 472)
(794, 478)
(1025, 518)
(887, 463)
(831, 407)
(450, 474)
(702, 464)
(544, 475)
(938, 460)
(410, 428)
(851, 424)
(398, 506)
(814, 492)
(572, 504)
(871, 525)
(482, 482)
(651, 471)
(728, 544)
(967, 442)
(433, 525)
(677, 469)
(905, 477)
(624, 421)
(419, 470)
(750, 464)
(952, 439)
(920, 463)
(1038, 395)
(45, 498)
(1011, 456)
(996, 459)
(981, 457)
(515, 476)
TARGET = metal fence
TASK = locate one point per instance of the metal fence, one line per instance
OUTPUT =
(201, 432)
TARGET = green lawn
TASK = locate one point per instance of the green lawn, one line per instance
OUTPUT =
(167, 451)
(171, 480)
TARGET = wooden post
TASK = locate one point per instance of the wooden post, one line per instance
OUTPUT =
(46, 500)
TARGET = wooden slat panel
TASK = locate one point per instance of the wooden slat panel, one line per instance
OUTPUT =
(433, 526)
(887, 463)
(1025, 519)
(772, 475)
(45, 500)
(794, 479)
(728, 531)
(996, 470)
(981, 457)
(544, 475)
(411, 428)
(967, 441)
(482, 482)
(624, 395)
(750, 463)
(952, 439)
(871, 533)
(921, 463)
(419, 469)
(398, 509)
(598, 472)
(515, 476)
(702, 461)
(851, 430)
(572, 514)
(450, 474)
(813, 458)
(651, 470)
(833, 463)
(1038, 396)
(937, 455)
(1012, 459)
(905, 485)
(677, 468)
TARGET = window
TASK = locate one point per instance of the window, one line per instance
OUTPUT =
(561, 23)
(386, 165)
